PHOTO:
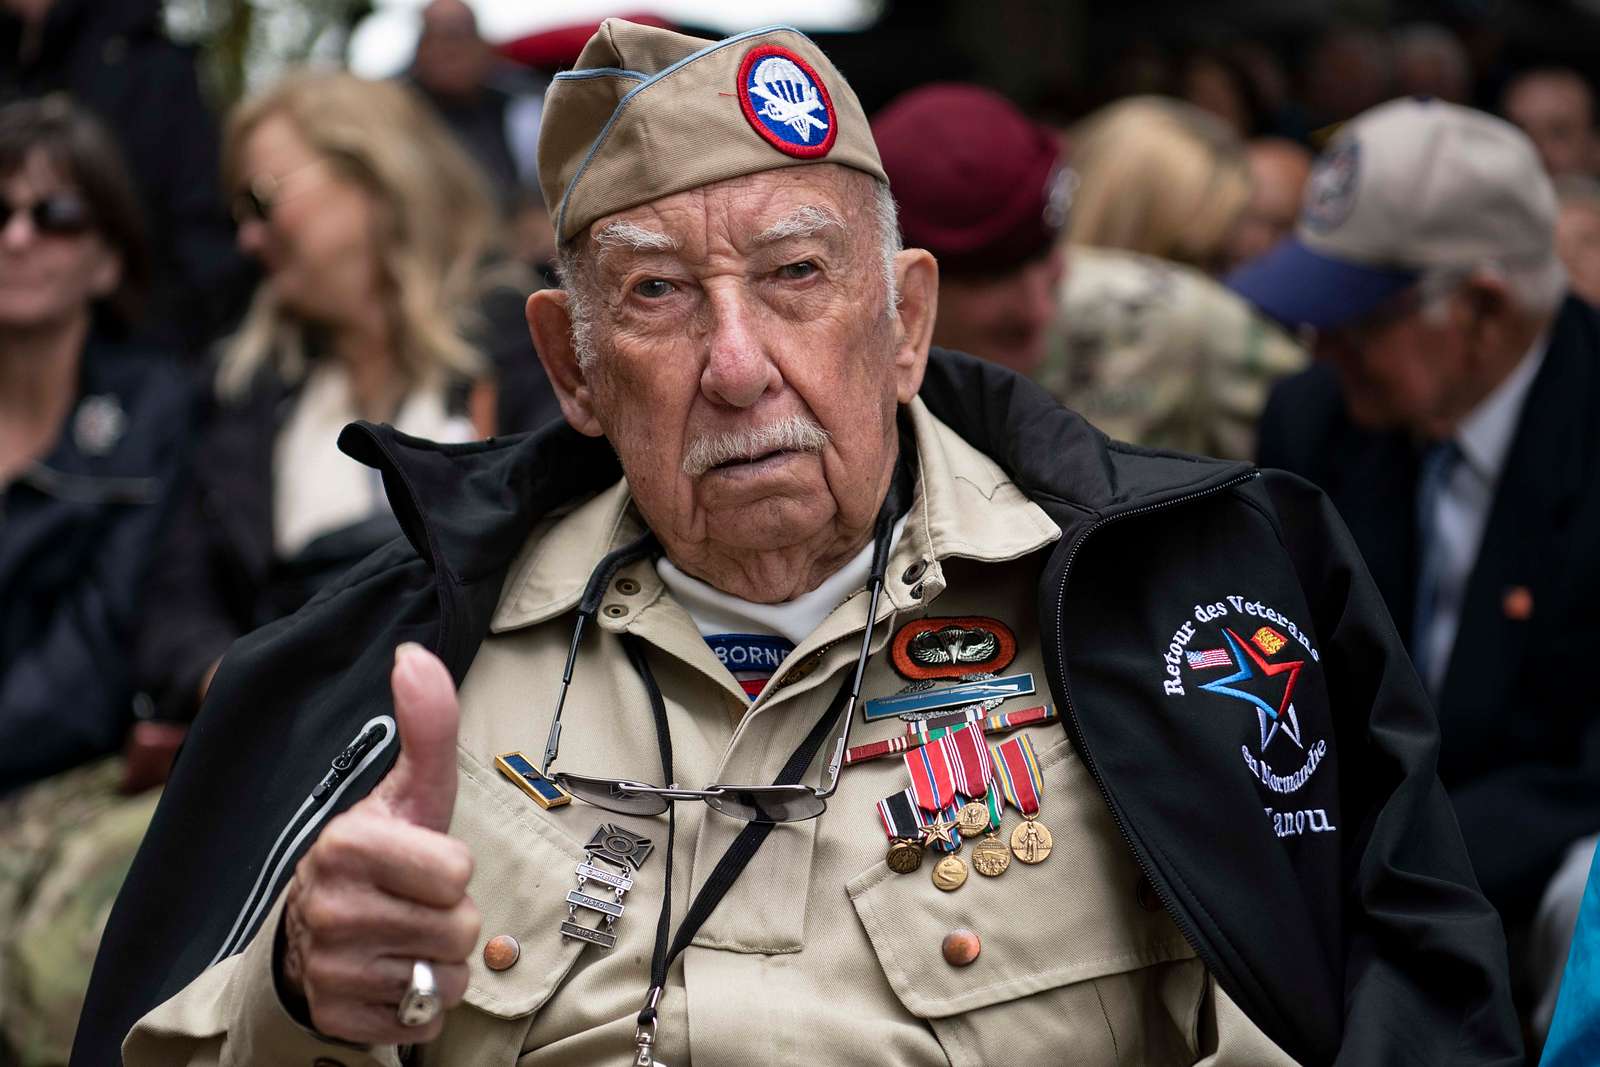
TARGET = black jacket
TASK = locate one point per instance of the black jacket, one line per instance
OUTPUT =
(217, 575)
(114, 59)
(1521, 739)
(76, 533)
(1368, 943)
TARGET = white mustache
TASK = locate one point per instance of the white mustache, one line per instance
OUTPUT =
(793, 434)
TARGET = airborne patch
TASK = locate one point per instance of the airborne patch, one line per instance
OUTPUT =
(952, 646)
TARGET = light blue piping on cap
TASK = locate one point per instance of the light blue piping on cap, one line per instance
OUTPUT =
(566, 195)
(599, 72)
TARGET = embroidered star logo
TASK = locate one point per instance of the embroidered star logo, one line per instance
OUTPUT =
(938, 833)
(1251, 666)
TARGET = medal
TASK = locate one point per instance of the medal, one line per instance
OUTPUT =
(950, 874)
(990, 857)
(933, 782)
(898, 813)
(619, 850)
(973, 818)
(1017, 768)
(942, 832)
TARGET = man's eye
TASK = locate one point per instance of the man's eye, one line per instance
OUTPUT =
(653, 288)
(795, 272)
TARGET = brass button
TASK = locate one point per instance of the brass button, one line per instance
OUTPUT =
(961, 947)
(501, 952)
(913, 572)
(616, 611)
(627, 586)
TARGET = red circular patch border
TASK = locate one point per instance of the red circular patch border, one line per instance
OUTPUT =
(816, 151)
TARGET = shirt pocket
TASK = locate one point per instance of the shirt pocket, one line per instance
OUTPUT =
(522, 871)
(1072, 967)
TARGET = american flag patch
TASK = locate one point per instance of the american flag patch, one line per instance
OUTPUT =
(1216, 657)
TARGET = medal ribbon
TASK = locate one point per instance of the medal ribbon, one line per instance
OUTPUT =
(996, 805)
(932, 779)
(930, 730)
(1018, 770)
(969, 758)
(898, 813)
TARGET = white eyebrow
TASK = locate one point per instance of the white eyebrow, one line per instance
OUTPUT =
(802, 222)
(628, 235)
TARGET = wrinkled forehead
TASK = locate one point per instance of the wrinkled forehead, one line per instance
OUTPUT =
(744, 214)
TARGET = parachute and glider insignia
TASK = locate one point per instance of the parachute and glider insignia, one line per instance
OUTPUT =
(952, 647)
(786, 103)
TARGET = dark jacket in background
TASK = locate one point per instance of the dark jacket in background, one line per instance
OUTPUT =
(77, 530)
(1367, 946)
(1521, 732)
(217, 575)
(113, 58)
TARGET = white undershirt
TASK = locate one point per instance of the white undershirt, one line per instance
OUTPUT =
(715, 612)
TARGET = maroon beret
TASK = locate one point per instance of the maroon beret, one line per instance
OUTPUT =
(978, 184)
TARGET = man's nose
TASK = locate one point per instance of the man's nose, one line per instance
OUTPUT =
(739, 369)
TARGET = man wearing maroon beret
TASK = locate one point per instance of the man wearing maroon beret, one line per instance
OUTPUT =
(987, 192)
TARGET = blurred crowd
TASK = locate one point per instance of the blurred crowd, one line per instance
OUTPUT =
(192, 306)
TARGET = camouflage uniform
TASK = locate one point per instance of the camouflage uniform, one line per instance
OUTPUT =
(66, 844)
(1159, 354)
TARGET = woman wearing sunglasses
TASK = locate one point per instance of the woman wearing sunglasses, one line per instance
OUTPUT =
(92, 431)
(372, 229)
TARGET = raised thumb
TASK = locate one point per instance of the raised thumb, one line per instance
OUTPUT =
(422, 786)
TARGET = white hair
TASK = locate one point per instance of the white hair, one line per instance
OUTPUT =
(796, 433)
(622, 234)
(1537, 284)
(573, 257)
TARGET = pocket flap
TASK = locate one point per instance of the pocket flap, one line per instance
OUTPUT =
(1074, 917)
(523, 870)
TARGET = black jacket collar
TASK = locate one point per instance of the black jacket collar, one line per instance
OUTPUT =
(467, 509)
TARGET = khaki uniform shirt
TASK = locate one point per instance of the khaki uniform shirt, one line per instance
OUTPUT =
(818, 954)
(1159, 354)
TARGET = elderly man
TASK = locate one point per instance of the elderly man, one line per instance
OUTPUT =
(1454, 425)
(1176, 777)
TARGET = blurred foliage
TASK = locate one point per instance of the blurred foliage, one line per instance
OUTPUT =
(245, 44)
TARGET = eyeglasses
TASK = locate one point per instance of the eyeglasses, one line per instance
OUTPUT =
(256, 201)
(61, 215)
(751, 803)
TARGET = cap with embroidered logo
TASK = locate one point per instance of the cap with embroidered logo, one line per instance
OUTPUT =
(1409, 186)
(648, 112)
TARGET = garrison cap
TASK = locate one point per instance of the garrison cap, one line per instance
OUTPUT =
(647, 113)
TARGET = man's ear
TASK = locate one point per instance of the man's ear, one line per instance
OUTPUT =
(550, 326)
(916, 275)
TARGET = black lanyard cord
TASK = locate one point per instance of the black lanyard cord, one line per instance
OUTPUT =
(740, 852)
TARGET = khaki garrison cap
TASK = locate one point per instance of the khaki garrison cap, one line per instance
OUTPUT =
(648, 113)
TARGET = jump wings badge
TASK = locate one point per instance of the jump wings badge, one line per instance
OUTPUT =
(952, 647)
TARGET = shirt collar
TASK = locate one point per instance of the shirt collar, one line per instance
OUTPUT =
(1485, 434)
(965, 506)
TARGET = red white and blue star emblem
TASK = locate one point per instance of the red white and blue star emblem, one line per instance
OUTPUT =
(1274, 711)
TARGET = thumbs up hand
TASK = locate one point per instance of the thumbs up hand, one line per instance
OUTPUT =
(384, 886)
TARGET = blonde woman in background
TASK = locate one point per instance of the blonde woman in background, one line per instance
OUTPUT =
(1158, 176)
(1149, 346)
(373, 230)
